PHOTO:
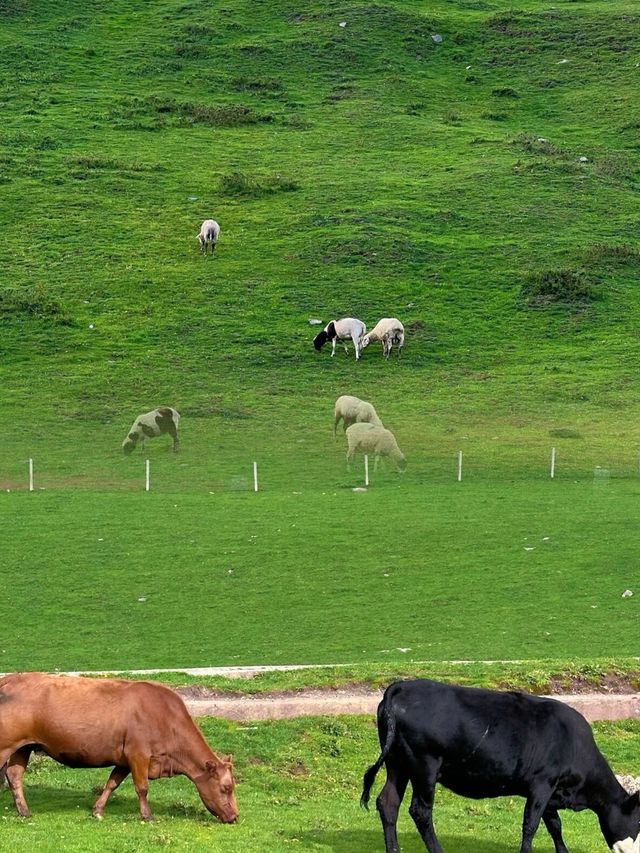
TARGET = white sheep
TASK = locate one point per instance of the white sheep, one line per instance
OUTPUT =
(208, 236)
(390, 331)
(352, 410)
(372, 439)
(341, 330)
(161, 421)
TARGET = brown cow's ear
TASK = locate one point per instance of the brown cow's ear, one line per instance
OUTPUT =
(228, 759)
(212, 767)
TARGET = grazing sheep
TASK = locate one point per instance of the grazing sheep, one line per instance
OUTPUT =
(368, 438)
(390, 331)
(341, 330)
(352, 410)
(161, 421)
(209, 233)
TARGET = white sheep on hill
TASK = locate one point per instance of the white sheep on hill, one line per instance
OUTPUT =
(376, 440)
(161, 421)
(341, 330)
(352, 410)
(208, 236)
(390, 331)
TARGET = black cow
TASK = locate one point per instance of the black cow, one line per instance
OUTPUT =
(486, 743)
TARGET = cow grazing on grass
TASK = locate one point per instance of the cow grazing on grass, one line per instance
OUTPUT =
(137, 726)
(161, 421)
(486, 743)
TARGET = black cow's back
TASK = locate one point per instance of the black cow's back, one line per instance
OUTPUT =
(489, 743)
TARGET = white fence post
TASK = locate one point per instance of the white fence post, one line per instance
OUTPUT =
(553, 462)
(459, 466)
(30, 474)
(255, 476)
(366, 469)
(147, 477)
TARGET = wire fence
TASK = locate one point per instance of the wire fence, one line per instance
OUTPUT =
(301, 469)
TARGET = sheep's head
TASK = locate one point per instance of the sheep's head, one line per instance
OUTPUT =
(320, 340)
(366, 341)
(129, 444)
(401, 462)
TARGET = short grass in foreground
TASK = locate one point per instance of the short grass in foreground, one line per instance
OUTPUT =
(299, 786)
(408, 572)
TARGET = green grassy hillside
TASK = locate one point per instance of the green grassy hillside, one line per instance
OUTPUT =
(483, 187)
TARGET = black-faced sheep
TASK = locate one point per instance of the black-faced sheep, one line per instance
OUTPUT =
(161, 421)
(390, 331)
(376, 440)
(208, 236)
(352, 410)
(341, 330)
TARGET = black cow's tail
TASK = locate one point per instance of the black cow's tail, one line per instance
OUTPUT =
(386, 719)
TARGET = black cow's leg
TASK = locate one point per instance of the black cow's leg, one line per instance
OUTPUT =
(551, 820)
(421, 808)
(388, 804)
(118, 774)
(15, 771)
(534, 809)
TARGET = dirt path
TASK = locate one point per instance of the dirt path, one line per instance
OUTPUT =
(277, 706)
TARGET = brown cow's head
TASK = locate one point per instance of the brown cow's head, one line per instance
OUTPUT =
(216, 787)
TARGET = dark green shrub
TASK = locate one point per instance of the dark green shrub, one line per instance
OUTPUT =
(237, 183)
(562, 286)
(33, 302)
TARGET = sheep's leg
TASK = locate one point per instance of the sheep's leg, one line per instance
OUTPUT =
(333, 347)
(350, 454)
(376, 459)
(356, 344)
(173, 432)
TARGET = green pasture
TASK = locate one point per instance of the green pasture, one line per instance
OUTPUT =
(406, 571)
(299, 786)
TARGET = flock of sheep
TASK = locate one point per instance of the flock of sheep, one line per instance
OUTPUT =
(363, 428)
(365, 432)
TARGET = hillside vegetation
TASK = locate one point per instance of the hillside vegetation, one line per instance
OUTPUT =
(361, 169)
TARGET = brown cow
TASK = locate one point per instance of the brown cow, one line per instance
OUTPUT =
(140, 727)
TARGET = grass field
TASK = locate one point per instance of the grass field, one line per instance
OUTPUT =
(531, 570)
(299, 785)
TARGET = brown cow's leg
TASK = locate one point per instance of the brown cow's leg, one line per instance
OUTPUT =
(118, 774)
(140, 774)
(15, 771)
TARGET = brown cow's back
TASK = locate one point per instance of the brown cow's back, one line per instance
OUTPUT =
(86, 722)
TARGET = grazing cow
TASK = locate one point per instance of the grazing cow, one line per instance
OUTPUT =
(137, 726)
(208, 236)
(341, 330)
(161, 421)
(486, 743)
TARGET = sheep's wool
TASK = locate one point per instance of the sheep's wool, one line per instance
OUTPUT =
(627, 845)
